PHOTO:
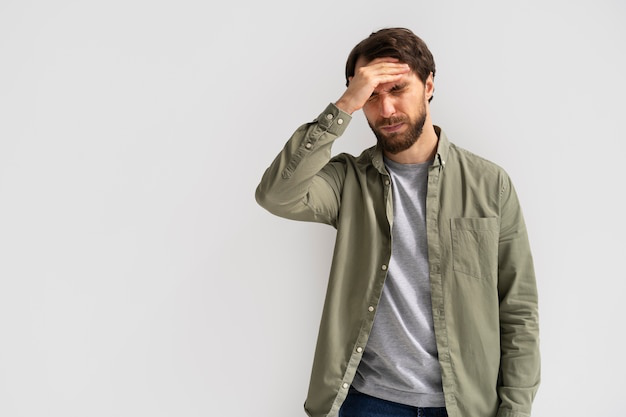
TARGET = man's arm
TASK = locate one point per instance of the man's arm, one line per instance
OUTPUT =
(519, 329)
(291, 186)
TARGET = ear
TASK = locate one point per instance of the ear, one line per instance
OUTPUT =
(429, 86)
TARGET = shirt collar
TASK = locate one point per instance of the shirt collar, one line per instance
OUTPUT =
(443, 146)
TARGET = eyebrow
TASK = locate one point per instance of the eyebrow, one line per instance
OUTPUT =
(398, 87)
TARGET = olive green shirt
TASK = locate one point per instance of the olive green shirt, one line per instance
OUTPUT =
(483, 291)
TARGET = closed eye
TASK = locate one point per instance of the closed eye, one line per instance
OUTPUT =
(398, 88)
(395, 90)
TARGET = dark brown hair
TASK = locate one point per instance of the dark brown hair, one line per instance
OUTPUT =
(399, 43)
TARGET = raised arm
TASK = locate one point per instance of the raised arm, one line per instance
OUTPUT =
(292, 187)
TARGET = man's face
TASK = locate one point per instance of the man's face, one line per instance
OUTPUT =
(396, 112)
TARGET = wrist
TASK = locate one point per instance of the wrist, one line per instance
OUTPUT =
(344, 105)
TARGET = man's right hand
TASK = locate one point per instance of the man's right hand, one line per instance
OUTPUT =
(367, 78)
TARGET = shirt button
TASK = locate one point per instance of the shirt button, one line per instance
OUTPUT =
(359, 349)
(308, 146)
(329, 116)
(345, 385)
(339, 121)
(384, 267)
(370, 309)
(386, 182)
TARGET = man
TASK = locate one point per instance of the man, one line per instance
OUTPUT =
(431, 307)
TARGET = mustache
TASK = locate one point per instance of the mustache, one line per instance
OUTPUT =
(391, 121)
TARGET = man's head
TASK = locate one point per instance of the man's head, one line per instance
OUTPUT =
(396, 111)
(399, 43)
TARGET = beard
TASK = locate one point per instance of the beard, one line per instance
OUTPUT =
(397, 142)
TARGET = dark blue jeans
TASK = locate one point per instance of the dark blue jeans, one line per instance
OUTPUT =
(358, 404)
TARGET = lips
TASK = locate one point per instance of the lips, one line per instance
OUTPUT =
(391, 128)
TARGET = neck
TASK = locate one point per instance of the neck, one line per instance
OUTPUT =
(423, 150)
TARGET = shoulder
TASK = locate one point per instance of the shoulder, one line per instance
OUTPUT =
(471, 163)
(476, 172)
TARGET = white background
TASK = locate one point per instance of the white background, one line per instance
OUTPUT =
(138, 277)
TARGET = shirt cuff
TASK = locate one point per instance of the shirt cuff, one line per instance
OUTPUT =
(334, 120)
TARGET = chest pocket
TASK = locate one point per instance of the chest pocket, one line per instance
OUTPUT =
(475, 246)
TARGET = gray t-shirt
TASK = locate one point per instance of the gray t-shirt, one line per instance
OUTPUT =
(400, 360)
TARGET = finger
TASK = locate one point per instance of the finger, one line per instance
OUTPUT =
(389, 78)
(399, 68)
(389, 66)
(391, 69)
(382, 69)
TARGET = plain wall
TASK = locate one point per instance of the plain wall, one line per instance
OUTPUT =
(138, 277)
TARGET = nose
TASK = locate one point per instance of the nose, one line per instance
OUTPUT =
(387, 107)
